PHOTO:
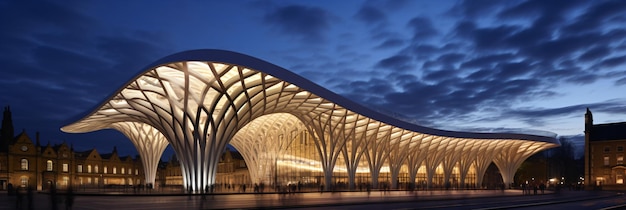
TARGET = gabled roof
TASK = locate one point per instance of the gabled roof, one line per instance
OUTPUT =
(608, 132)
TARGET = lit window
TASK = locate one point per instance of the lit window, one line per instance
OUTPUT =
(95, 180)
(136, 172)
(620, 159)
(65, 167)
(79, 168)
(106, 170)
(619, 179)
(88, 180)
(95, 168)
(114, 170)
(88, 168)
(65, 181)
(24, 164)
(606, 160)
(24, 181)
(122, 170)
(49, 165)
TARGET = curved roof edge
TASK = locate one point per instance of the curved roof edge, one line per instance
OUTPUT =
(215, 55)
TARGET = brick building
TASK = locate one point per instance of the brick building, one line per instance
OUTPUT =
(24, 163)
(604, 154)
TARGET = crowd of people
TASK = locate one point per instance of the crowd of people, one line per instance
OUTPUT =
(24, 197)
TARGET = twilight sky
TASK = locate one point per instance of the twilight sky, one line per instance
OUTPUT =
(478, 65)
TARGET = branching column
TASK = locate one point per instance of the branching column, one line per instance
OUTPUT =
(376, 152)
(355, 146)
(484, 158)
(511, 156)
(398, 151)
(416, 156)
(453, 154)
(150, 144)
(330, 137)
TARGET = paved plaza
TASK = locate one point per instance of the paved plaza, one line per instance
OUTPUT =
(311, 200)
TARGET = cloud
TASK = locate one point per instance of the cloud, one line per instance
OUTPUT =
(371, 15)
(422, 28)
(595, 54)
(608, 107)
(397, 62)
(596, 16)
(475, 9)
(390, 43)
(307, 23)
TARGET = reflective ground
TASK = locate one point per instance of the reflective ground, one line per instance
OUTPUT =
(466, 199)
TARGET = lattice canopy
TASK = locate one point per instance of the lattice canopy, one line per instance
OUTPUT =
(200, 101)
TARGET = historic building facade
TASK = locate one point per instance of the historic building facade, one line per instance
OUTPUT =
(24, 163)
(604, 154)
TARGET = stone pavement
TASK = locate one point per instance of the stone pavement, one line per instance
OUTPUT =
(243, 201)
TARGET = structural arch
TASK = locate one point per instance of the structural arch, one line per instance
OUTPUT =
(197, 101)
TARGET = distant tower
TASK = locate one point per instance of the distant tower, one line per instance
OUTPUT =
(7, 130)
(589, 182)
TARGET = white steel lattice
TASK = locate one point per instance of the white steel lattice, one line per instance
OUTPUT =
(198, 101)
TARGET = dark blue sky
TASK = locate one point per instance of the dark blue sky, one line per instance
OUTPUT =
(477, 65)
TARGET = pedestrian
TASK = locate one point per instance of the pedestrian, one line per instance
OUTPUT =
(69, 199)
(53, 197)
(29, 198)
(18, 201)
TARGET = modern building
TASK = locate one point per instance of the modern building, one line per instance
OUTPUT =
(232, 173)
(288, 129)
(604, 154)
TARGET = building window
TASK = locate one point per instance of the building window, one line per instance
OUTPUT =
(96, 180)
(114, 170)
(122, 170)
(79, 168)
(95, 168)
(620, 148)
(88, 168)
(607, 149)
(49, 165)
(130, 171)
(24, 164)
(65, 181)
(88, 180)
(606, 160)
(65, 168)
(620, 159)
(105, 170)
(24, 181)
(136, 171)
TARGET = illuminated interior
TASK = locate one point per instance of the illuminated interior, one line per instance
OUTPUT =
(288, 129)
